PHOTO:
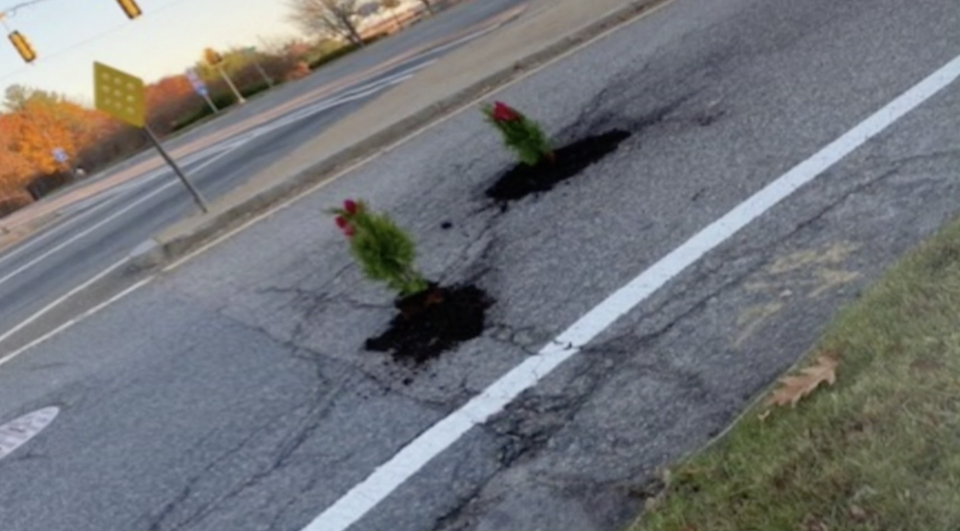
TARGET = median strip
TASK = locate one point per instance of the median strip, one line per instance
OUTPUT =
(545, 36)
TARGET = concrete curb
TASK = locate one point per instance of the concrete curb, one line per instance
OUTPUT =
(190, 235)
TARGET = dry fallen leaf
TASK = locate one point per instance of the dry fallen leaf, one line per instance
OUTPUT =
(858, 514)
(793, 388)
(813, 524)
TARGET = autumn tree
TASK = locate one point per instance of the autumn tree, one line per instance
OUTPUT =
(15, 97)
(34, 122)
(327, 17)
(169, 100)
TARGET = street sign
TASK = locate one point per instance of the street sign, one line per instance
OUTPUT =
(198, 85)
(122, 96)
(119, 94)
(201, 88)
(60, 155)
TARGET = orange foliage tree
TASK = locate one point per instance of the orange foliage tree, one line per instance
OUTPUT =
(34, 122)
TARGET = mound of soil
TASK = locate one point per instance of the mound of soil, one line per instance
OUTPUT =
(432, 322)
(524, 180)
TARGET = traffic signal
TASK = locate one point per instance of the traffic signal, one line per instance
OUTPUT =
(131, 8)
(23, 47)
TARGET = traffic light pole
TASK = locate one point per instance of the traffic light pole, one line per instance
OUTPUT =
(197, 196)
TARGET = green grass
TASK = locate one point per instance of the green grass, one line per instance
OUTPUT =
(878, 451)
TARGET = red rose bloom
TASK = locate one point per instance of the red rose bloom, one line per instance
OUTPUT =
(351, 206)
(344, 225)
(504, 113)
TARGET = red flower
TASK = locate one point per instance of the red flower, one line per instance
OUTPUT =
(504, 113)
(351, 207)
(344, 226)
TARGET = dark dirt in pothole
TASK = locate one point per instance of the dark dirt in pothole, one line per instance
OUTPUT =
(524, 180)
(433, 322)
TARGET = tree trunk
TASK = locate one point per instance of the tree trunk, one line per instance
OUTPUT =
(352, 32)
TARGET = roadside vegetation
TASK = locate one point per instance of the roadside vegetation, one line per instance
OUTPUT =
(33, 123)
(878, 450)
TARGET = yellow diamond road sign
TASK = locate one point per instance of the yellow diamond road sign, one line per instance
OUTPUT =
(119, 94)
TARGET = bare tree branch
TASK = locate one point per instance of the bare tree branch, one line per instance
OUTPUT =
(330, 18)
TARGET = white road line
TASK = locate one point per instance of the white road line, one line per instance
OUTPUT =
(387, 478)
(10, 357)
(101, 223)
(352, 94)
(46, 309)
(230, 146)
(226, 146)
(112, 194)
(43, 256)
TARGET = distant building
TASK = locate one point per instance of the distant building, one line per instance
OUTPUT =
(369, 9)
(378, 20)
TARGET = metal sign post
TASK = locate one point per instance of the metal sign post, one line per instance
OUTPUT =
(201, 88)
(122, 96)
(197, 196)
(236, 92)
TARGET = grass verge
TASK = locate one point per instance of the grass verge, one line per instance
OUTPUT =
(878, 451)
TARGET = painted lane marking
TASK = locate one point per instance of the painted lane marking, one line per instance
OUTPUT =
(43, 256)
(95, 204)
(225, 148)
(59, 301)
(362, 498)
(18, 432)
(13, 355)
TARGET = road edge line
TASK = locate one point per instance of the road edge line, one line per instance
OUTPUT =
(365, 496)
(16, 353)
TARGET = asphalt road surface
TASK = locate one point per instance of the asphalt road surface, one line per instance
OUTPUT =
(99, 231)
(783, 154)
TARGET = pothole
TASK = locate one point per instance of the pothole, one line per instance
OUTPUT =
(432, 322)
(569, 161)
(18, 432)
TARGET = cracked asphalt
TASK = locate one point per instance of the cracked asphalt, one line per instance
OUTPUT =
(233, 394)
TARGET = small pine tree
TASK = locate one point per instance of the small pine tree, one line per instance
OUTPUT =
(385, 252)
(521, 134)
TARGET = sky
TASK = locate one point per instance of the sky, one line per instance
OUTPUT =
(69, 35)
